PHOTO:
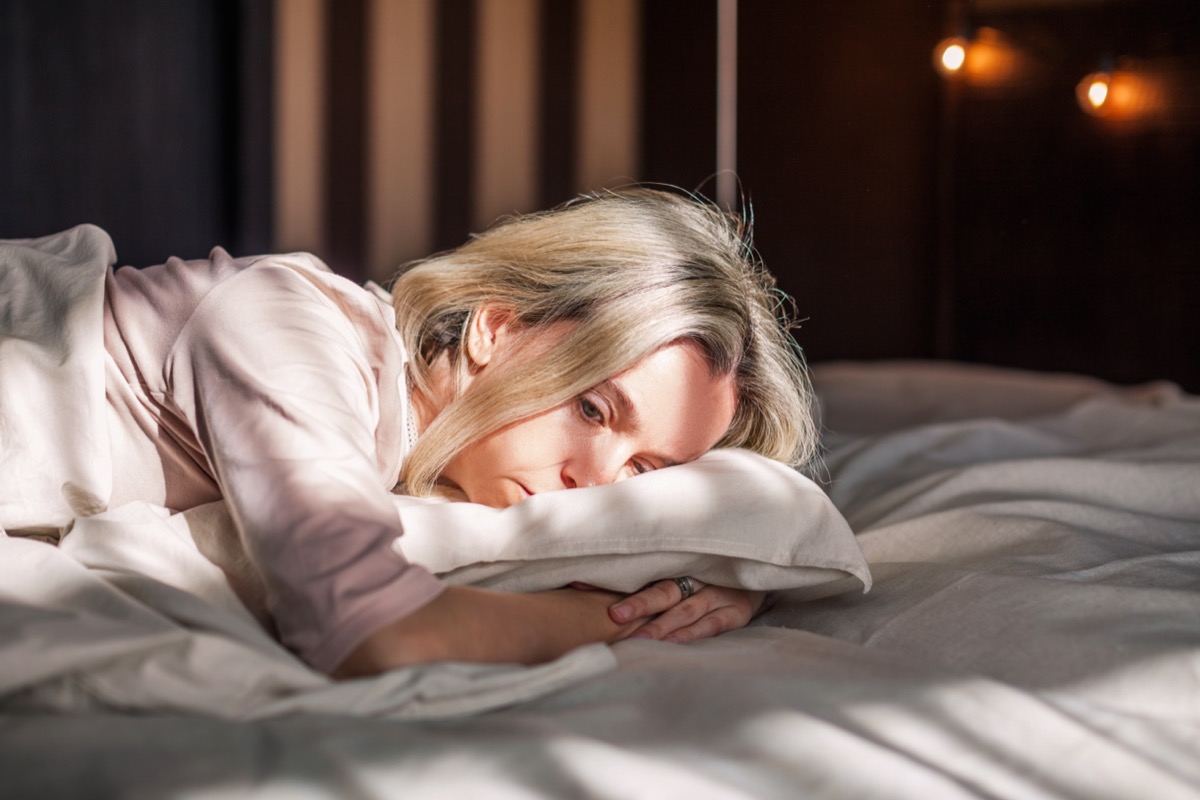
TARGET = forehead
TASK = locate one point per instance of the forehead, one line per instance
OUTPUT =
(678, 408)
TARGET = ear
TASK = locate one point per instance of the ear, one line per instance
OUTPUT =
(490, 326)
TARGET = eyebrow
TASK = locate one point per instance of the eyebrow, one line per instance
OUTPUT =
(633, 419)
(628, 409)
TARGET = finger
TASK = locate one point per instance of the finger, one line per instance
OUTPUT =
(708, 613)
(679, 616)
(654, 599)
(724, 619)
(733, 609)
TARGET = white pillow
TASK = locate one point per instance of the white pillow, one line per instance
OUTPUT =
(732, 518)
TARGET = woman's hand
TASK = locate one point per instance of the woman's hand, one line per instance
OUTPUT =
(709, 611)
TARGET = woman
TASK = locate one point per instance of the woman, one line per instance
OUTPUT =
(619, 333)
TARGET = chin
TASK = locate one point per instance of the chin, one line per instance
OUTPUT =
(494, 499)
(511, 494)
(500, 493)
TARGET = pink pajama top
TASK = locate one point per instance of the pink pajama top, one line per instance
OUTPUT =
(279, 387)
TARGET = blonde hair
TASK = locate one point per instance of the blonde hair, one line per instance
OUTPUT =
(635, 270)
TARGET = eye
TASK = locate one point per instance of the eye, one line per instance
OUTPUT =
(641, 467)
(590, 410)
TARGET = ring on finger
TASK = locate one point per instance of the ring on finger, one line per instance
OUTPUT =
(686, 587)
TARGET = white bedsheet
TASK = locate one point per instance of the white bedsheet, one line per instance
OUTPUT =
(1033, 631)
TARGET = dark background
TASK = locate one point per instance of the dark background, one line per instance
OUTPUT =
(910, 216)
(150, 119)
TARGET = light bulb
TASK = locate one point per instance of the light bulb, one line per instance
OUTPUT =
(954, 56)
(1132, 90)
(1094, 91)
(986, 59)
(950, 55)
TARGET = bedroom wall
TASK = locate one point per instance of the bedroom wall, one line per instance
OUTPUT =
(427, 120)
(1073, 240)
(989, 221)
(909, 215)
(836, 127)
(141, 116)
(368, 131)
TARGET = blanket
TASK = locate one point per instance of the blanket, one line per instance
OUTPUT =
(142, 608)
(1033, 632)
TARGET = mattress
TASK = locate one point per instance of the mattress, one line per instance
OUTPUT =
(1033, 630)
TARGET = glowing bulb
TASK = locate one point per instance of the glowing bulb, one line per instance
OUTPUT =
(987, 59)
(953, 57)
(1095, 93)
(950, 55)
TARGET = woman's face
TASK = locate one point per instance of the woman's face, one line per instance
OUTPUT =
(667, 409)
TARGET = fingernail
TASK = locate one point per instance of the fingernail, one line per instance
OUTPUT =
(622, 612)
(672, 639)
(640, 635)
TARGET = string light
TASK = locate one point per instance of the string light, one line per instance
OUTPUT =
(985, 59)
(950, 55)
(1092, 92)
(1130, 90)
(1119, 90)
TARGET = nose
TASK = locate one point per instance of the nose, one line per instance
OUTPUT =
(595, 466)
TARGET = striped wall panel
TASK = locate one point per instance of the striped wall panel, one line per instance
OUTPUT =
(401, 126)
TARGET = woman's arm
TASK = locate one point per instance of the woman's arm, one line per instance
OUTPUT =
(281, 383)
(464, 623)
(478, 625)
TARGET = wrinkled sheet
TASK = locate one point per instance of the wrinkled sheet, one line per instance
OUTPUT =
(127, 614)
(1033, 631)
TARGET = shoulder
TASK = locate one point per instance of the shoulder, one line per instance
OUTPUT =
(221, 286)
(293, 295)
(297, 275)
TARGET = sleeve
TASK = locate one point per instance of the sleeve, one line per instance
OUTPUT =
(276, 385)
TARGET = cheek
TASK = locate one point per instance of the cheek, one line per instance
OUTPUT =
(541, 440)
(537, 442)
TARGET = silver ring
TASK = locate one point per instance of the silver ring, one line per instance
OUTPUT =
(686, 588)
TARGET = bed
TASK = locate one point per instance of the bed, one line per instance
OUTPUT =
(1033, 630)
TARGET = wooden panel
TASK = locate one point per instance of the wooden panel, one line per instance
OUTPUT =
(400, 133)
(299, 130)
(249, 82)
(559, 75)
(837, 113)
(609, 92)
(454, 122)
(679, 103)
(127, 114)
(345, 137)
(507, 110)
